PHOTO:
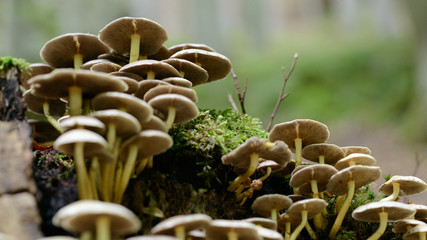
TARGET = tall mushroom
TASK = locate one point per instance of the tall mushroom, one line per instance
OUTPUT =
(402, 186)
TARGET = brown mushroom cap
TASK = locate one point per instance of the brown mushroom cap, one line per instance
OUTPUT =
(190, 222)
(92, 141)
(182, 46)
(155, 123)
(178, 81)
(105, 67)
(126, 74)
(409, 185)
(146, 85)
(330, 152)
(264, 164)
(186, 109)
(269, 234)
(189, 70)
(263, 222)
(313, 206)
(59, 52)
(310, 131)
(421, 211)
(219, 228)
(126, 124)
(401, 226)
(117, 35)
(162, 54)
(33, 70)
(124, 102)
(414, 233)
(56, 83)
(130, 82)
(319, 172)
(218, 66)
(240, 156)
(149, 142)
(81, 216)
(35, 104)
(396, 211)
(164, 89)
(355, 149)
(355, 159)
(152, 237)
(143, 67)
(87, 65)
(265, 203)
(361, 175)
(82, 122)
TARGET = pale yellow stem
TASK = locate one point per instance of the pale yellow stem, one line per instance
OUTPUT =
(232, 235)
(381, 229)
(78, 61)
(343, 210)
(395, 194)
(50, 118)
(81, 170)
(251, 169)
(103, 228)
(75, 100)
(298, 149)
(171, 117)
(180, 232)
(135, 40)
(151, 75)
(322, 159)
(299, 228)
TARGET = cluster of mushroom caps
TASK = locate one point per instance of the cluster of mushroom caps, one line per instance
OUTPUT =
(113, 97)
(328, 171)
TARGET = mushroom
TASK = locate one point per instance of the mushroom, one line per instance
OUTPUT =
(164, 89)
(82, 122)
(323, 153)
(221, 229)
(134, 36)
(402, 186)
(182, 46)
(103, 218)
(269, 205)
(268, 234)
(417, 232)
(217, 65)
(382, 212)
(421, 211)
(405, 225)
(33, 70)
(178, 81)
(304, 210)
(246, 157)
(162, 54)
(177, 108)
(263, 222)
(74, 84)
(180, 224)
(151, 69)
(77, 142)
(152, 237)
(355, 159)
(355, 149)
(189, 70)
(105, 67)
(299, 133)
(347, 181)
(72, 50)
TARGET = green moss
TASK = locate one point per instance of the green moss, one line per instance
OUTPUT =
(8, 62)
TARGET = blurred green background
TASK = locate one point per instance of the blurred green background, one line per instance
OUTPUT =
(362, 66)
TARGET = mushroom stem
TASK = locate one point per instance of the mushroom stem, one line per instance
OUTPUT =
(127, 170)
(381, 229)
(111, 136)
(93, 173)
(50, 118)
(150, 162)
(322, 159)
(78, 61)
(274, 215)
(103, 228)
(302, 224)
(75, 100)
(135, 40)
(288, 230)
(141, 165)
(338, 202)
(151, 75)
(171, 117)
(81, 170)
(266, 175)
(180, 232)
(310, 231)
(395, 194)
(318, 219)
(232, 235)
(251, 169)
(341, 214)
(298, 151)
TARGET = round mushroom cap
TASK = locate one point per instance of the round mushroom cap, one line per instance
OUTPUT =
(269, 234)
(121, 59)
(313, 206)
(81, 216)
(265, 203)
(401, 226)
(217, 65)
(59, 52)
(355, 159)
(85, 122)
(331, 152)
(87, 65)
(355, 149)
(219, 228)
(421, 211)
(361, 175)
(143, 67)
(186, 109)
(178, 81)
(131, 82)
(263, 222)
(126, 124)
(53, 238)
(414, 233)
(153, 237)
(189, 70)
(155, 123)
(149, 143)
(164, 89)
(409, 185)
(117, 35)
(263, 165)
(396, 211)
(189, 222)
(310, 132)
(319, 172)
(35, 104)
(240, 156)
(92, 141)
(145, 85)
(105, 67)
(182, 46)
(56, 83)
(126, 74)
(162, 54)
(124, 102)
(33, 70)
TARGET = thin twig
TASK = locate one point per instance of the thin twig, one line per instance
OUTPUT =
(233, 104)
(240, 94)
(418, 160)
(282, 95)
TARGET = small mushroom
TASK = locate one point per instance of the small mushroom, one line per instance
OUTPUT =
(189, 70)
(33, 70)
(269, 205)
(102, 218)
(323, 153)
(146, 85)
(417, 232)
(355, 159)
(178, 81)
(355, 149)
(263, 222)
(402, 186)
(164, 89)
(221, 229)
(180, 224)
(405, 225)
(151, 69)
(382, 212)
(182, 46)
(82, 122)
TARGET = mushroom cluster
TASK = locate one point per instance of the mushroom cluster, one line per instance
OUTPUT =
(113, 97)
